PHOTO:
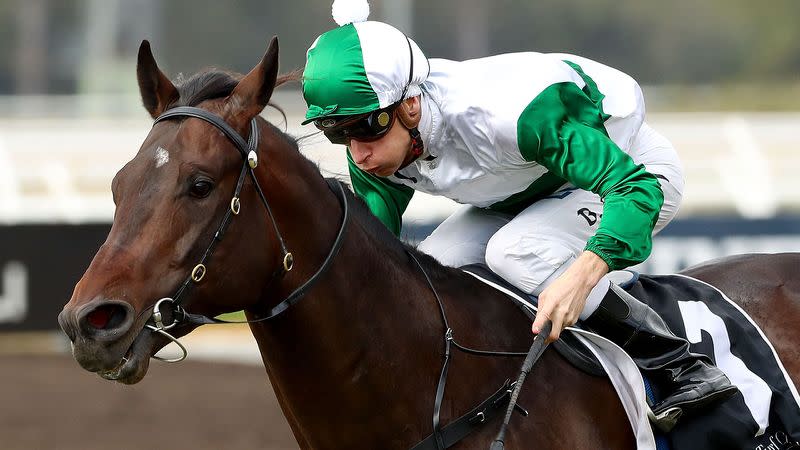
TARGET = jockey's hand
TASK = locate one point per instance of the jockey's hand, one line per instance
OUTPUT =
(562, 301)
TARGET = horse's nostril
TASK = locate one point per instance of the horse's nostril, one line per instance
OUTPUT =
(100, 317)
(105, 317)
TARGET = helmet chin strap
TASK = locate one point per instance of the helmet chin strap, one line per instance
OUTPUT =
(410, 122)
(417, 146)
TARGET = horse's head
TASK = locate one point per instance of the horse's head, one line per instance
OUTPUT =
(170, 201)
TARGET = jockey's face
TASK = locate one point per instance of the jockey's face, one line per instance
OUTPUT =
(384, 156)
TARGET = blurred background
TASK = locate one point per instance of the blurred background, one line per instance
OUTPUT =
(721, 80)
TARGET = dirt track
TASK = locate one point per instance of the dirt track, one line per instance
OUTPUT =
(49, 402)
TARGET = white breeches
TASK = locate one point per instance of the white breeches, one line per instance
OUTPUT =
(533, 248)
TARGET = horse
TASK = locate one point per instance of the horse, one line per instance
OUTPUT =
(354, 326)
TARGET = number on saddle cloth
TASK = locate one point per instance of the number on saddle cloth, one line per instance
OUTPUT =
(767, 412)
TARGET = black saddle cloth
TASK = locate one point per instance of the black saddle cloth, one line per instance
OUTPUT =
(765, 415)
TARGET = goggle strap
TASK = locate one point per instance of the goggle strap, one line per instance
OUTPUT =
(410, 70)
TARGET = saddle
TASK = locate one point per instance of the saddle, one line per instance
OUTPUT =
(766, 413)
(567, 345)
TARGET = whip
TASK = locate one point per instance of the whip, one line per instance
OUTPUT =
(538, 346)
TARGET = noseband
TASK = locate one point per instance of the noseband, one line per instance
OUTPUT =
(249, 152)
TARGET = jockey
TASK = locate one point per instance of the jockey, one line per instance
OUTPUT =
(560, 178)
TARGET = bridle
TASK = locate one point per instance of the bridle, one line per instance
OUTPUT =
(249, 152)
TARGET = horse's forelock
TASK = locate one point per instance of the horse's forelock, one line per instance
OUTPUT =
(215, 83)
(206, 85)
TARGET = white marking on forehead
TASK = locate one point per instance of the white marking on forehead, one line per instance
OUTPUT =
(162, 157)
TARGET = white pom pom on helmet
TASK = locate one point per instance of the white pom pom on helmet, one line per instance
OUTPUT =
(350, 11)
(360, 66)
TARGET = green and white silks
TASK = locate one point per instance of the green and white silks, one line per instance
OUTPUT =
(506, 131)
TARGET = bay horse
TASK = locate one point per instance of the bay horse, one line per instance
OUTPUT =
(355, 364)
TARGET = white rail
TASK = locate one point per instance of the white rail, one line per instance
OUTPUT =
(60, 169)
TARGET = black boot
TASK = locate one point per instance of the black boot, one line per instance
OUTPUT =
(691, 380)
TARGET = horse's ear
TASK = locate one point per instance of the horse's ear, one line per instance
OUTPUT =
(156, 89)
(253, 92)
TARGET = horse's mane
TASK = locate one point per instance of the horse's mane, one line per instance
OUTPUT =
(374, 227)
(213, 83)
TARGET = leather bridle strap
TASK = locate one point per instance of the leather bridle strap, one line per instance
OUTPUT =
(219, 123)
(298, 293)
(248, 150)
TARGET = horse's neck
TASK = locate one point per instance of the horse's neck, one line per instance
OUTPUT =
(360, 326)
(353, 313)
(355, 364)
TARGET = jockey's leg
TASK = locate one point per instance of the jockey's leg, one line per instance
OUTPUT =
(461, 238)
(690, 380)
(542, 241)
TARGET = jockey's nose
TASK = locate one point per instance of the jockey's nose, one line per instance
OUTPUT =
(361, 151)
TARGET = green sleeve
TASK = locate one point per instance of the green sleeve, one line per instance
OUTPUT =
(562, 129)
(385, 199)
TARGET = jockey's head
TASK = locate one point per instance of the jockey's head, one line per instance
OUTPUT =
(357, 77)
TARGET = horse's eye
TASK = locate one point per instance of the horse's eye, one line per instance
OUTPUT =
(201, 188)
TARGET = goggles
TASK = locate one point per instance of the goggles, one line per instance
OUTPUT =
(365, 127)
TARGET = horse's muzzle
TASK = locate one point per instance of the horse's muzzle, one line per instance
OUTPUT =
(99, 331)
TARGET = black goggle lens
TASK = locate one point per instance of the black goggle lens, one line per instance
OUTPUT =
(369, 127)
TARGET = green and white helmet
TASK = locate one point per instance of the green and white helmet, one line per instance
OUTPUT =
(360, 66)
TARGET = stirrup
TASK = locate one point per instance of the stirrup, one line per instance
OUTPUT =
(665, 420)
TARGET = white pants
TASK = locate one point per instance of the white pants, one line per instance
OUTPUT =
(530, 250)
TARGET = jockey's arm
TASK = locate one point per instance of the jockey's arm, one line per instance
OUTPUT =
(570, 140)
(563, 300)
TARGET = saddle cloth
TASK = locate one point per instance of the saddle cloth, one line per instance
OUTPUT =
(764, 416)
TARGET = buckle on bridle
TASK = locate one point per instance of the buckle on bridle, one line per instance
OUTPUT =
(198, 273)
(252, 159)
(288, 262)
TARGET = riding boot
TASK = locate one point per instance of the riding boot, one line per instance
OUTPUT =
(691, 380)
